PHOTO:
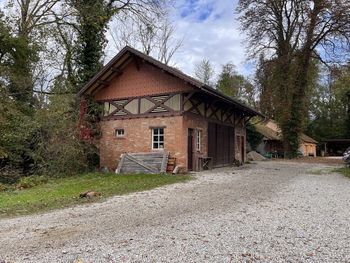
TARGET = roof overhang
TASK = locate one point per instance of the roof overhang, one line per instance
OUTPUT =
(115, 67)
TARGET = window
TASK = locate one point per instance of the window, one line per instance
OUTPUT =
(119, 132)
(158, 138)
(199, 140)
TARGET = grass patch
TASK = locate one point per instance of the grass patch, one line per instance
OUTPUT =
(344, 171)
(64, 192)
(318, 172)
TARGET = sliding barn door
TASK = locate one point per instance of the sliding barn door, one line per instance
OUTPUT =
(220, 144)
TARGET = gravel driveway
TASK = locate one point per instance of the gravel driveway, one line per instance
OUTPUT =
(264, 212)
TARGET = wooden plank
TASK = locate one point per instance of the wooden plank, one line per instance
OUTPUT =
(147, 167)
(153, 162)
(120, 164)
(164, 163)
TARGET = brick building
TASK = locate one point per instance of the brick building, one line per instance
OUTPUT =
(149, 106)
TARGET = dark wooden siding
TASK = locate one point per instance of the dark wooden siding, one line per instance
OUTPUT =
(220, 144)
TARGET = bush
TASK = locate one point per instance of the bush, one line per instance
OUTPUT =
(4, 187)
(9, 175)
(31, 181)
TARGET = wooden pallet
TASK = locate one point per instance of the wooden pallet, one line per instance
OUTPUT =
(149, 163)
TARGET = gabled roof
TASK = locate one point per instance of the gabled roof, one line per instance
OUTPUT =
(267, 132)
(113, 68)
(306, 138)
(276, 135)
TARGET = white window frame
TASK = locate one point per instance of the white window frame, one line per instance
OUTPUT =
(117, 133)
(198, 140)
(159, 143)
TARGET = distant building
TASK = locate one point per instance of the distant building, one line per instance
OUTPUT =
(335, 147)
(272, 140)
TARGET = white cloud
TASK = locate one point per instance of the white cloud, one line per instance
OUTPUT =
(216, 38)
(210, 31)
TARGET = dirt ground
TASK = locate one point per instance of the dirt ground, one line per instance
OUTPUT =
(270, 211)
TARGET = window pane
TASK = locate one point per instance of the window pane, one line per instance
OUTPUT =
(157, 138)
(119, 132)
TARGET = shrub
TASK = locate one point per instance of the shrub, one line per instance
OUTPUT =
(9, 175)
(3, 187)
(31, 181)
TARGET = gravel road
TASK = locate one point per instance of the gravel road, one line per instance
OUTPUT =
(263, 212)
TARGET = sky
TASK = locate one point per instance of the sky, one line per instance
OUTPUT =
(209, 30)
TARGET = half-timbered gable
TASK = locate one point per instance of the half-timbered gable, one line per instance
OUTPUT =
(149, 106)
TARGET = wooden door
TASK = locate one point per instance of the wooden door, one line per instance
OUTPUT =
(220, 144)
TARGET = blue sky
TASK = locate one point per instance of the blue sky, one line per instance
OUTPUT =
(211, 31)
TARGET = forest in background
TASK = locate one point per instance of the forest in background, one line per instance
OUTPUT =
(328, 99)
(50, 48)
(302, 51)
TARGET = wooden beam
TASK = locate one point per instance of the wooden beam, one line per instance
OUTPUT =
(189, 96)
(231, 112)
(120, 108)
(116, 70)
(102, 82)
(247, 120)
(160, 104)
(195, 106)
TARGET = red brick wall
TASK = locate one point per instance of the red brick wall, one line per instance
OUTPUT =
(196, 123)
(146, 81)
(138, 138)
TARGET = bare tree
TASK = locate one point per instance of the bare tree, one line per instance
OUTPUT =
(168, 46)
(156, 38)
(292, 33)
(204, 71)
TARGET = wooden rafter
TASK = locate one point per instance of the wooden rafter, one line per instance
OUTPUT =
(116, 70)
(103, 82)
(239, 119)
(247, 120)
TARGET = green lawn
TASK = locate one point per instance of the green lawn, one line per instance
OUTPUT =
(63, 192)
(344, 171)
